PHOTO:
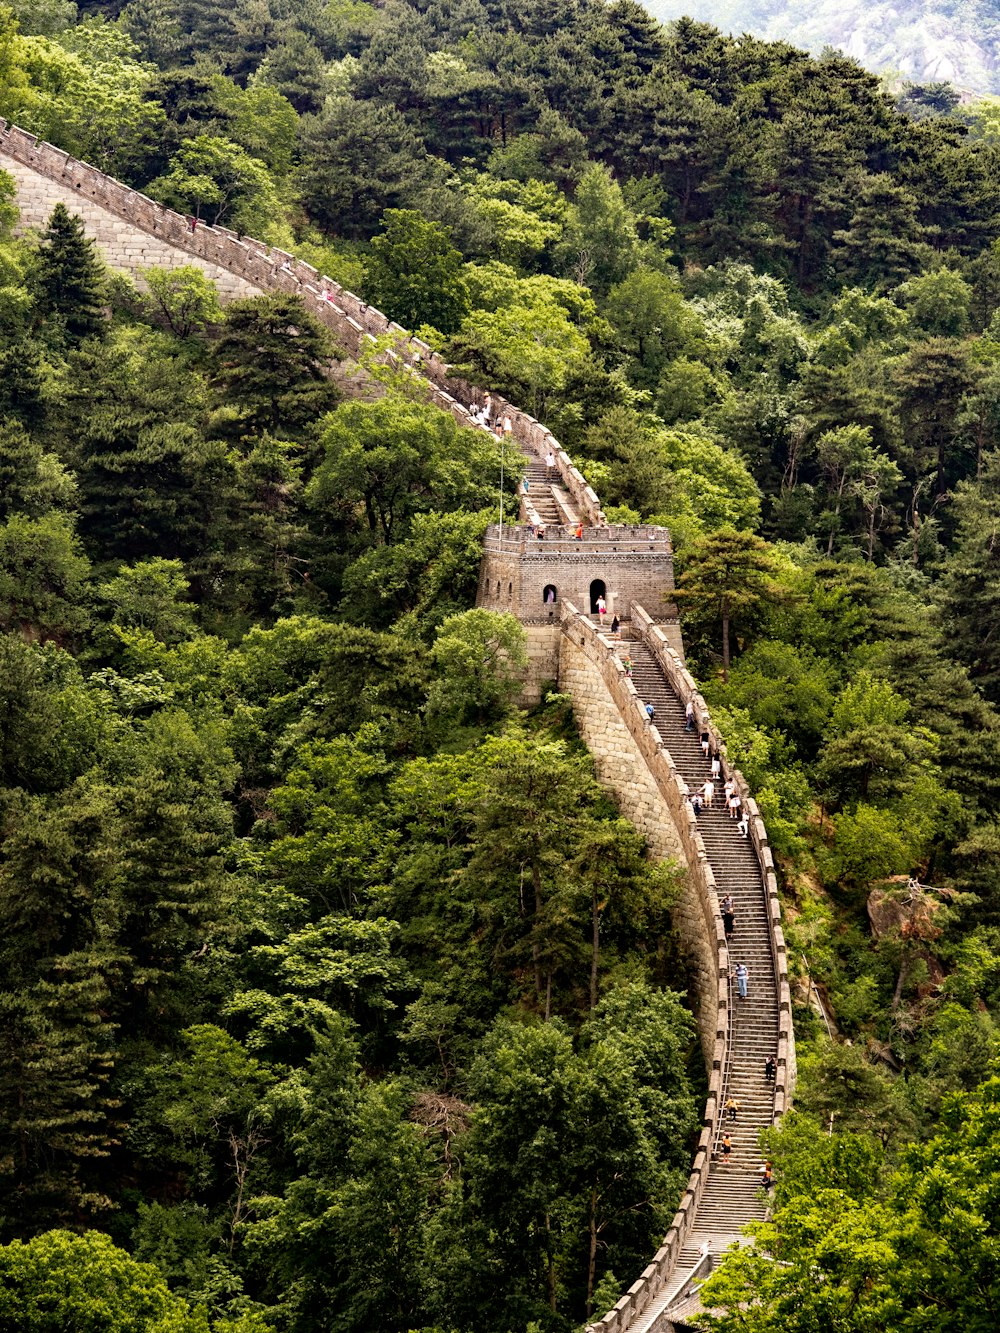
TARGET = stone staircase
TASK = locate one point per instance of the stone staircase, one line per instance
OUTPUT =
(732, 1195)
(552, 503)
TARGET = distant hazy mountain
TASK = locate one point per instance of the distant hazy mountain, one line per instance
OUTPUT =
(926, 40)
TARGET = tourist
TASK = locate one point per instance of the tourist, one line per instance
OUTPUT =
(650, 710)
(550, 465)
(742, 980)
(708, 791)
(727, 1148)
(627, 664)
(716, 767)
(689, 716)
(615, 625)
(578, 534)
(696, 804)
(732, 1107)
(602, 607)
(770, 1069)
(735, 801)
(706, 742)
(728, 910)
(744, 824)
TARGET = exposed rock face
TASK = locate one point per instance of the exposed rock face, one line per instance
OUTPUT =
(927, 41)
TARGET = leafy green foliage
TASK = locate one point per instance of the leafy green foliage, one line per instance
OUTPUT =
(415, 273)
(351, 974)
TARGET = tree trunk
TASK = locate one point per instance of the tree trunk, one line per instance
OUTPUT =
(835, 525)
(592, 1255)
(595, 923)
(897, 995)
(551, 1265)
(725, 640)
(536, 879)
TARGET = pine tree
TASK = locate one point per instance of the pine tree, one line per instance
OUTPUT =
(70, 278)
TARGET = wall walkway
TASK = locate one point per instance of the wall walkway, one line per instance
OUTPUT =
(652, 765)
(649, 765)
(134, 232)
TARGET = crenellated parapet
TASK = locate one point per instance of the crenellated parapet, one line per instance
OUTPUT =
(633, 757)
(550, 574)
(134, 232)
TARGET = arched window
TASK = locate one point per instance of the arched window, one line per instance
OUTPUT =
(510, 592)
(597, 589)
(549, 594)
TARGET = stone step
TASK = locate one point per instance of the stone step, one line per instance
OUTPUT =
(732, 1195)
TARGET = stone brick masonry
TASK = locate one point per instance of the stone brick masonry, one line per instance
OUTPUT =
(635, 565)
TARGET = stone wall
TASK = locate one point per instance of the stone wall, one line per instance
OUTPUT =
(631, 758)
(155, 235)
(684, 686)
(543, 660)
(635, 564)
(633, 761)
(622, 767)
(124, 246)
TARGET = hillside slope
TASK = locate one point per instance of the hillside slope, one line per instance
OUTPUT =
(940, 40)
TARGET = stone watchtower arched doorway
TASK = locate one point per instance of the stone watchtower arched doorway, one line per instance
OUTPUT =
(597, 589)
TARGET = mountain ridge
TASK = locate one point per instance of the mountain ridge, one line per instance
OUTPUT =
(956, 43)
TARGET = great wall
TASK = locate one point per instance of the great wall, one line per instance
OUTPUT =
(651, 764)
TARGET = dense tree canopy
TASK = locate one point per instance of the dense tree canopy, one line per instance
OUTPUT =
(334, 989)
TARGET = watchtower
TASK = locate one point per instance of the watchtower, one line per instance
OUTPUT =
(532, 577)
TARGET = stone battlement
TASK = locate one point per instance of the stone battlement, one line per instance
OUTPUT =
(541, 582)
(532, 579)
(134, 232)
(612, 539)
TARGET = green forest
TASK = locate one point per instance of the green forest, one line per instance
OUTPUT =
(307, 1026)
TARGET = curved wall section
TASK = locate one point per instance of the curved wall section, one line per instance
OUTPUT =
(612, 717)
(134, 232)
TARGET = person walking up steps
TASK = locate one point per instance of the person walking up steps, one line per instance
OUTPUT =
(689, 716)
(716, 767)
(708, 792)
(727, 1148)
(728, 911)
(602, 607)
(742, 980)
(706, 741)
